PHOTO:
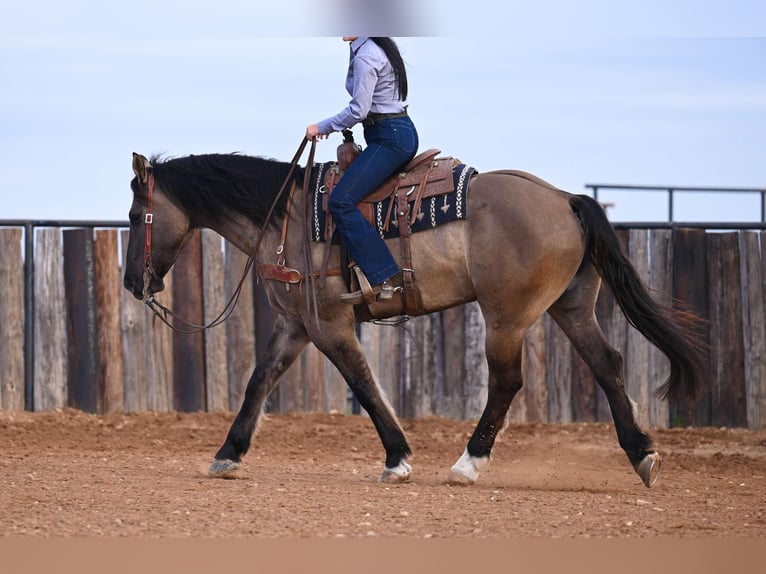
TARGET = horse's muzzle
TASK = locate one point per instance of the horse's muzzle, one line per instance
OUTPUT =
(136, 286)
(133, 286)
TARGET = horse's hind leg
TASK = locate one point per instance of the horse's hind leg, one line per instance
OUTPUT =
(287, 341)
(574, 314)
(503, 349)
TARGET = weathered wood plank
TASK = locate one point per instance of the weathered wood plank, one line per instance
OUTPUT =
(430, 357)
(314, 381)
(690, 288)
(583, 390)
(134, 328)
(11, 320)
(189, 349)
(369, 337)
(727, 357)
(533, 406)
(475, 360)
(753, 328)
(290, 395)
(85, 390)
(761, 406)
(336, 390)
(385, 347)
(159, 355)
(661, 285)
(437, 366)
(108, 287)
(147, 349)
(416, 377)
(51, 361)
(405, 376)
(637, 355)
(449, 392)
(240, 328)
(214, 299)
(559, 373)
(433, 361)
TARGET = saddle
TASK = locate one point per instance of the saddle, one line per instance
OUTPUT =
(423, 177)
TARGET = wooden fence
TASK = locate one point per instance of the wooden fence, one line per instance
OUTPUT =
(96, 348)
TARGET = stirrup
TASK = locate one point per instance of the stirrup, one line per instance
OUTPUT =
(368, 294)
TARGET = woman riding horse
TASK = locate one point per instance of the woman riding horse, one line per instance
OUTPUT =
(377, 82)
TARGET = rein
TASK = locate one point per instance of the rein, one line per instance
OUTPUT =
(161, 311)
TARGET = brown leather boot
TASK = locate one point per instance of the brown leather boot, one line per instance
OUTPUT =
(369, 294)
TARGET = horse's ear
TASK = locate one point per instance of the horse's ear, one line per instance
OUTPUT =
(140, 166)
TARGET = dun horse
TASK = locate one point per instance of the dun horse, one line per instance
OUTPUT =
(526, 248)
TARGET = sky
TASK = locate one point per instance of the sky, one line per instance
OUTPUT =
(590, 92)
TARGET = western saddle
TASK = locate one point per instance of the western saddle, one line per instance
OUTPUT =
(423, 177)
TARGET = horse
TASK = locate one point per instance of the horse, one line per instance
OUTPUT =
(526, 248)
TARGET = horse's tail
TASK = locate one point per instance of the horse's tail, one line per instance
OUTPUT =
(672, 331)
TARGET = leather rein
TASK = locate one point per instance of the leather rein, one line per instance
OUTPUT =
(161, 311)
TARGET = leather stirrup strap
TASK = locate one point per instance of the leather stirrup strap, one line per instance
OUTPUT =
(411, 294)
(364, 285)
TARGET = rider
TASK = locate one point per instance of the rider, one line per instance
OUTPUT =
(377, 83)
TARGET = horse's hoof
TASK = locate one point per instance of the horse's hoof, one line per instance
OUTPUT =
(457, 479)
(649, 468)
(396, 475)
(467, 469)
(224, 468)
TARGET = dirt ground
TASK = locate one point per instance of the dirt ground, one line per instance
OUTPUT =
(314, 476)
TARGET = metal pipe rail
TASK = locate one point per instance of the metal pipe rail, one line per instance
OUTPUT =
(672, 190)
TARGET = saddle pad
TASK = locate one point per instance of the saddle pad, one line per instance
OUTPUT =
(434, 210)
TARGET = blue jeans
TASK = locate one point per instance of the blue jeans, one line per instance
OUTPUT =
(391, 143)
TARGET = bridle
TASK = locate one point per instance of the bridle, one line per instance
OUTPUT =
(148, 220)
(161, 311)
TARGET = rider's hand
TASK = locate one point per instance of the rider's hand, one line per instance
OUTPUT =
(312, 132)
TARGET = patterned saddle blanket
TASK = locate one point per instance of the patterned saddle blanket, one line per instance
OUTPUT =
(442, 199)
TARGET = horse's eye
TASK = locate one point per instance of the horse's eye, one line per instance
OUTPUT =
(135, 218)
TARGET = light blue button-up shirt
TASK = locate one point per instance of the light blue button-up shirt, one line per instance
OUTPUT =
(370, 82)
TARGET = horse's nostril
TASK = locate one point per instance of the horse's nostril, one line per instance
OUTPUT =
(131, 286)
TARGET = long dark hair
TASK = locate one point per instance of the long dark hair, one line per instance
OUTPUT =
(395, 58)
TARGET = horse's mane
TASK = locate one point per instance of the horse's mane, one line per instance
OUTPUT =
(221, 185)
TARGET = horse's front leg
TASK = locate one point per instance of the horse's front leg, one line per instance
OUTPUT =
(342, 348)
(287, 341)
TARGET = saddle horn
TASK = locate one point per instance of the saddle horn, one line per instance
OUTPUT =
(348, 151)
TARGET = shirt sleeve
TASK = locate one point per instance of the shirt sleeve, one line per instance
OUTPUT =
(365, 78)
